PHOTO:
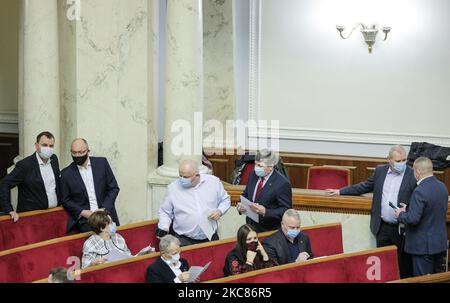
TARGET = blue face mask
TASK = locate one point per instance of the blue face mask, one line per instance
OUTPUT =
(260, 172)
(293, 233)
(112, 228)
(185, 182)
(399, 167)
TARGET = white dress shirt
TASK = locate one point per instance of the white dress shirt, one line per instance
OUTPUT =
(175, 269)
(186, 207)
(49, 181)
(265, 179)
(391, 187)
(88, 180)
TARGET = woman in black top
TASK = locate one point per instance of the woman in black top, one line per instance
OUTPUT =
(248, 253)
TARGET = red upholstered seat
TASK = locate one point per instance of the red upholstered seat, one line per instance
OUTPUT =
(345, 268)
(326, 240)
(323, 177)
(33, 227)
(34, 262)
(248, 168)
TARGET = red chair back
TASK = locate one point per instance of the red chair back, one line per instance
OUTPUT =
(32, 227)
(248, 168)
(322, 177)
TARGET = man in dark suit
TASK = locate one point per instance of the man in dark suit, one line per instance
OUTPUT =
(269, 190)
(37, 179)
(168, 268)
(288, 244)
(393, 182)
(87, 185)
(426, 221)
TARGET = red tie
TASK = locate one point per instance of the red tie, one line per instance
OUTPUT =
(258, 190)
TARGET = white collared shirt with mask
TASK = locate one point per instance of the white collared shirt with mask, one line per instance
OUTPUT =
(48, 177)
(175, 267)
(186, 207)
(391, 188)
(88, 180)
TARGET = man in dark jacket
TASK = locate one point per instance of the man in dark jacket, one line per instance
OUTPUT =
(87, 185)
(168, 268)
(288, 244)
(37, 179)
(390, 183)
(270, 191)
(426, 221)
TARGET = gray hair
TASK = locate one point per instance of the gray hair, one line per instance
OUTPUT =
(267, 156)
(396, 148)
(292, 213)
(424, 165)
(166, 241)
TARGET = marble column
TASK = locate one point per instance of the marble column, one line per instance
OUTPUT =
(106, 94)
(39, 103)
(183, 113)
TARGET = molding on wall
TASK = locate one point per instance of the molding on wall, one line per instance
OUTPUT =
(311, 134)
(9, 122)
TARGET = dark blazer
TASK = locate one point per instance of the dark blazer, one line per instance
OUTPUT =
(160, 272)
(426, 219)
(27, 177)
(276, 246)
(74, 194)
(375, 184)
(275, 196)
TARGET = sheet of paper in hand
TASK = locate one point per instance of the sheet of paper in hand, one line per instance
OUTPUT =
(250, 213)
(196, 271)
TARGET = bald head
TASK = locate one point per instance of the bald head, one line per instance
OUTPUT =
(79, 144)
(423, 167)
(188, 168)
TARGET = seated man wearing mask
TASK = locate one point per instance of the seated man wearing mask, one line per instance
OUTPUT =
(269, 190)
(169, 268)
(191, 199)
(288, 244)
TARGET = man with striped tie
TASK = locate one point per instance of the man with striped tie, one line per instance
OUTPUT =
(269, 190)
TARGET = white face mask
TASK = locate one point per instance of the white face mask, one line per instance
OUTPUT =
(46, 152)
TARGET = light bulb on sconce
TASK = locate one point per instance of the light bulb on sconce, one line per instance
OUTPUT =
(369, 33)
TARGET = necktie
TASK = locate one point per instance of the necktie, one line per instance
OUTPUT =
(258, 190)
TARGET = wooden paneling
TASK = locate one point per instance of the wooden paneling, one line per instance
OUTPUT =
(361, 168)
(9, 149)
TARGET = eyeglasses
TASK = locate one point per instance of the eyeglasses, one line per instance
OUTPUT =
(79, 153)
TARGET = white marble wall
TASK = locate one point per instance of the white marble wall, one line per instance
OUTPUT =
(218, 60)
(107, 94)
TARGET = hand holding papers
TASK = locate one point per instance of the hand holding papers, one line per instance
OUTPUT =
(117, 255)
(248, 210)
(208, 226)
(196, 271)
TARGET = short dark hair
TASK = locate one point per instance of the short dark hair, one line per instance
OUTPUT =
(99, 220)
(60, 275)
(46, 134)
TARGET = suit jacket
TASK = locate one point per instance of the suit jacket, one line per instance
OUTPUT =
(74, 194)
(27, 177)
(426, 219)
(160, 272)
(375, 184)
(276, 246)
(275, 196)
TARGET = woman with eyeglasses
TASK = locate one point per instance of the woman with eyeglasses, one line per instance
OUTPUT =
(248, 253)
(106, 245)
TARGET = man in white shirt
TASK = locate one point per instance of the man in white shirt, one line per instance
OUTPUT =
(192, 202)
(37, 179)
(87, 185)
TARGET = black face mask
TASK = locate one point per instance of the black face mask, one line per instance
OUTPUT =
(80, 160)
